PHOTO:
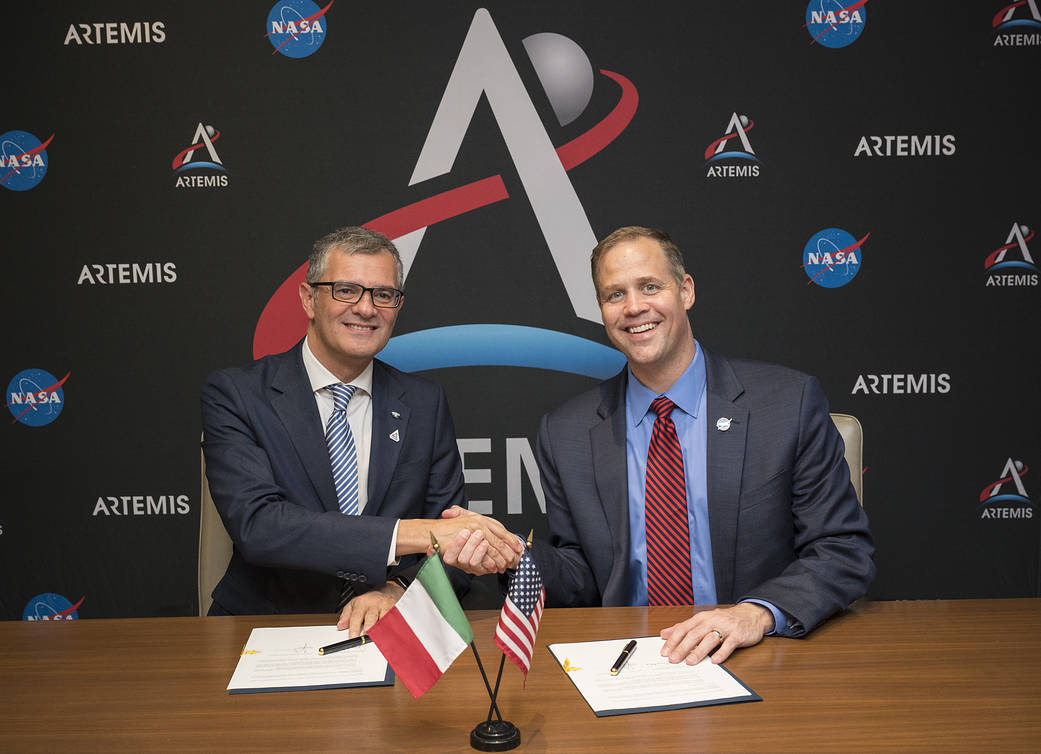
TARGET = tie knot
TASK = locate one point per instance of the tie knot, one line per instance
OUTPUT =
(662, 406)
(342, 395)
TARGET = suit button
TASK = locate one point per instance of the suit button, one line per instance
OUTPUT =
(362, 578)
(340, 574)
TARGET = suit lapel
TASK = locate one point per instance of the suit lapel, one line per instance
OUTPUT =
(610, 472)
(725, 458)
(388, 396)
(293, 401)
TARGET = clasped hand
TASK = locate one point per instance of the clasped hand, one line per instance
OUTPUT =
(478, 544)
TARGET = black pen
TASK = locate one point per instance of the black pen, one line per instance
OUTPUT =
(623, 657)
(345, 644)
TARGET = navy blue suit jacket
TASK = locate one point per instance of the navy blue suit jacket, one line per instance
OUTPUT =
(784, 521)
(268, 466)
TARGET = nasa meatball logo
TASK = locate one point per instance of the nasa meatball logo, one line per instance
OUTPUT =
(296, 28)
(35, 398)
(834, 23)
(23, 160)
(832, 257)
(50, 606)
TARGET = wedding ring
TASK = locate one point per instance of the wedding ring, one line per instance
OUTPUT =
(718, 634)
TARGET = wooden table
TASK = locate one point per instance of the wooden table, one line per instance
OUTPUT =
(931, 676)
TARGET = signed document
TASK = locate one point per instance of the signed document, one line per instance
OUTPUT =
(287, 659)
(647, 682)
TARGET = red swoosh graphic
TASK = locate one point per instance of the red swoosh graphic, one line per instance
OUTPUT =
(179, 159)
(997, 16)
(987, 490)
(713, 145)
(994, 254)
(30, 152)
(282, 321)
(50, 389)
(69, 610)
(308, 20)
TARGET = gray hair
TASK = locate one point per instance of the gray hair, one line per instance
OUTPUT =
(352, 240)
(673, 257)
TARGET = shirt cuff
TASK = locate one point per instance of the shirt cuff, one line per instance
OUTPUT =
(391, 560)
(779, 618)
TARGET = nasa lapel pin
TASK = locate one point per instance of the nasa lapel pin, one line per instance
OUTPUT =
(723, 424)
(395, 436)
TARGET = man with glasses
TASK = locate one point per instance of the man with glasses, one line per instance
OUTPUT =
(330, 468)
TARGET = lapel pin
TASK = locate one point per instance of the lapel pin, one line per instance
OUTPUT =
(395, 414)
(395, 436)
(723, 424)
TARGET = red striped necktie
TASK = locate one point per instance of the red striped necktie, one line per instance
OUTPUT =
(665, 506)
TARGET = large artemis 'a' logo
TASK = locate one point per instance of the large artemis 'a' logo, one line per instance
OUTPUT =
(484, 69)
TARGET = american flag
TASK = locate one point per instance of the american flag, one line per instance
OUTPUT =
(519, 619)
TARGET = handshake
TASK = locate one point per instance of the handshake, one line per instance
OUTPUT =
(469, 541)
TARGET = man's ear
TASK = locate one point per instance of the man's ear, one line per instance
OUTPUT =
(307, 299)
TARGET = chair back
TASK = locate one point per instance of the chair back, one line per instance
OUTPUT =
(214, 544)
(853, 436)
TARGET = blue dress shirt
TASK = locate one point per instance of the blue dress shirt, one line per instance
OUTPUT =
(689, 395)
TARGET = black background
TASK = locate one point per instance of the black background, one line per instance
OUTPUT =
(332, 139)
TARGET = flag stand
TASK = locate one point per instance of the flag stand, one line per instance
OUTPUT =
(493, 735)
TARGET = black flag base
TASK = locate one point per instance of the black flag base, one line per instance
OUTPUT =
(495, 735)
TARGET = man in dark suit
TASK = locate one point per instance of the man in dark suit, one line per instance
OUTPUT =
(316, 520)
(732, 488)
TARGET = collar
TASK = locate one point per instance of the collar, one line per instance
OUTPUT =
(320, 377)
(686, 392)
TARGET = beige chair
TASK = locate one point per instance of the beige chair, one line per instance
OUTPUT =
(214, 545)
(853, 435)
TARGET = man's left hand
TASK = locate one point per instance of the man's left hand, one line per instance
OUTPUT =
(364, 610)
(723, 630)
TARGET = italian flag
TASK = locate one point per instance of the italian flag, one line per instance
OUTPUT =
(425, 631)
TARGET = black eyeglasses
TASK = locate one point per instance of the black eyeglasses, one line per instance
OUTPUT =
(351, 293)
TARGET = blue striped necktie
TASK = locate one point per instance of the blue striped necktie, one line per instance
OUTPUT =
(665, 509)
(342, 453)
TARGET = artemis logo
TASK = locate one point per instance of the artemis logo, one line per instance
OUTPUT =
(485, 71)
(1006, 271)
(724, 148)
(1011, 504)
(296, 28)
(23, 160)
(835, 24)
(116, 33)
(35, 397)
(928, 145)
(50, 606)
(831, 258)
(141, 505)
(127, 273)
(1017, 25)
(903, 384)
(186, 160)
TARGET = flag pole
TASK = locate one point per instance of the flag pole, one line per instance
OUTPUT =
(493, 735)
(473, 646)
(502, 660)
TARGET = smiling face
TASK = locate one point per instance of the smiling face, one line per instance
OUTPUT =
(345, 337)
(644, 309)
